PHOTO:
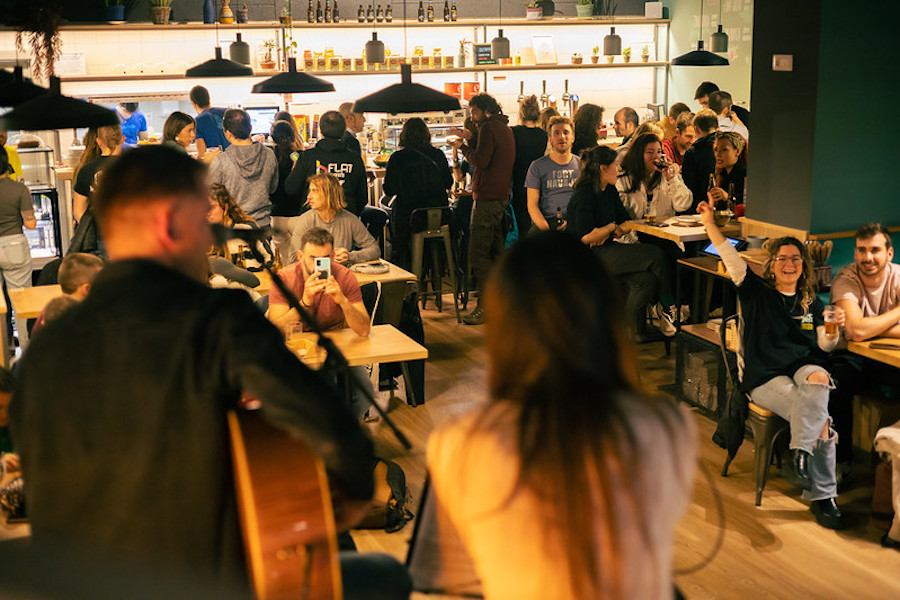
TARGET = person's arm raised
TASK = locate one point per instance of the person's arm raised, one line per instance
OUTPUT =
(737, 268)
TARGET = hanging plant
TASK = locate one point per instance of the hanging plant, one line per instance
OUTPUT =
(38, 29)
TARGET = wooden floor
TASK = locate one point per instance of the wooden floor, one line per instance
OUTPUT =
(774, 551)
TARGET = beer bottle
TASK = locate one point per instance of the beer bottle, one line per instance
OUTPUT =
(389, 14)
(430, 12)
(335, 15)
(379, 14)
(327, 12)
(320, 17)
(310, 13)
(446, 10)
(361, 14)
(421, 14)
(453, 10)
(559, 217)
(370, 14)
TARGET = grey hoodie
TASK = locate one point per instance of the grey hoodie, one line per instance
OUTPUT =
(250, 174)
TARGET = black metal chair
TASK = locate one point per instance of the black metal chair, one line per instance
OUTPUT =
(436, 228)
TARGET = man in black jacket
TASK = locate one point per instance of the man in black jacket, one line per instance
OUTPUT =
(125, 447)
(333, 157)
(699, 159)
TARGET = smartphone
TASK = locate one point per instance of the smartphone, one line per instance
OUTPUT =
(323, 267)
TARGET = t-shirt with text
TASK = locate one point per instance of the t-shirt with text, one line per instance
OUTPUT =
(554, 181)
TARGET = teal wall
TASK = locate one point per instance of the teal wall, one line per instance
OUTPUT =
(855, 162)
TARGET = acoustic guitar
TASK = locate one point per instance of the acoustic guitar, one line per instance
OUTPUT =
(287, 518)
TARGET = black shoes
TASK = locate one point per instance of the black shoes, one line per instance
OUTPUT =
(889, 542)
(828, 514)
(798, 473)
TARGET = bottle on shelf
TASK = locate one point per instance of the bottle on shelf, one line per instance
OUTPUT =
(421, 14)
(453, 10)
(430, 12)
(320, 16)
(327, 12)
(310, 13)
(361, 14)
(370, 14)
(389, 14)
(446, 10)
(335, 14)
(379, 14)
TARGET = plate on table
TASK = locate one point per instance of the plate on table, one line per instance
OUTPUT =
(688, 221)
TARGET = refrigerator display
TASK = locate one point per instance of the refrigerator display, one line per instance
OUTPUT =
(44, 239)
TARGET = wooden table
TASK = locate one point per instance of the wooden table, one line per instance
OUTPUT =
(28, 303)
(678, 233)
(888, 357)
(384, 344)
(394, 274)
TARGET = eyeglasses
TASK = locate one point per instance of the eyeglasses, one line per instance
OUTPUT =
(793, 259)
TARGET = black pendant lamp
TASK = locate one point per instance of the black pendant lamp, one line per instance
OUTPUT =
(406, 97)
(52, 110)
(718, 41)
(15, 88)
(292, 82)
(701, 57)
(612, 43)
(374, 49)
(218, 66)
(500, 44)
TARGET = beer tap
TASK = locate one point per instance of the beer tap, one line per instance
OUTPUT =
(544, 97)
(566, 97)
(521, 92)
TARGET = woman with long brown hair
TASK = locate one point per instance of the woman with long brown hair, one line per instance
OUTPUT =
(569, 482)
(786, 348)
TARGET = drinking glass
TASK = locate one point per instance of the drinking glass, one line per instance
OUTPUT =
(831, 321)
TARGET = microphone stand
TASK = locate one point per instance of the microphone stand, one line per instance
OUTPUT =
(335, 361)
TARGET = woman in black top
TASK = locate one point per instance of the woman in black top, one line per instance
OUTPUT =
(785, 347)
(419, 176)
(597, 217)
(531, 144)
(284, 205)
(730, 168)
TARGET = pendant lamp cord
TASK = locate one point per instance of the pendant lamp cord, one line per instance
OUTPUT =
(701, 18)
(404, 30)
(216, 20)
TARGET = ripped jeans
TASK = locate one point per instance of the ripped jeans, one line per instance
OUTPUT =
(805, 406)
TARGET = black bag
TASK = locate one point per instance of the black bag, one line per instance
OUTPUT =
(389, 509)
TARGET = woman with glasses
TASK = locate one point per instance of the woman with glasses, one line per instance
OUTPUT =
(785, 352)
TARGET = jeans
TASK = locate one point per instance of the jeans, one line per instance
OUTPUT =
(15, 261)
(625, 259)
(487, 238)
(373, 576)
(805, 406)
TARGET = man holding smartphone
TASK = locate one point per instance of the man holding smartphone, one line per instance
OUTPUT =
(332, 300)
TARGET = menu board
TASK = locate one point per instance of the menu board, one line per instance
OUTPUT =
(482, 54)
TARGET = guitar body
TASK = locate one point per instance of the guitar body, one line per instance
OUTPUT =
(287, 518)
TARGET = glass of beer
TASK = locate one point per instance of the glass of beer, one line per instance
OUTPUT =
(831, 321)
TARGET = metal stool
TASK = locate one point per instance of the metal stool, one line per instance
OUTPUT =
(434, 229)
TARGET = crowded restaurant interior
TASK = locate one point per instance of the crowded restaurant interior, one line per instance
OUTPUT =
(284, 281)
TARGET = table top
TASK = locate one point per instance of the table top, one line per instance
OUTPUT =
(888, 357)
(385, 343)
(710, 264)
(29, 302)
(394, 274)
(675, 233)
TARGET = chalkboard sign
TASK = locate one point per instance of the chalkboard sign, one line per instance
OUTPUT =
(483, 54)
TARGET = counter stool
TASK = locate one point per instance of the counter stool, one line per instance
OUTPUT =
(435, 229)
(765, 426)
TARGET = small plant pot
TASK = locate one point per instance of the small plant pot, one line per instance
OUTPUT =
(159, 15)
(577, 60)
(584, 11)
(645, 58)
(595, 59)
(534, 13)
(242, 15)
(115, 14)
(610, 58)
(285, 20)
(267, 65)
(626, 58)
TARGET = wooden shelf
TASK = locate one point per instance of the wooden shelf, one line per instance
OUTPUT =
(326, 74)
(354, 24)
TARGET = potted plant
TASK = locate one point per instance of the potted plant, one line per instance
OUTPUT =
(626, 54)
(38, 27)
(577, 58)
(584, 9)
(533, 10)
(160, 10)
(645, 54)
(285, 17)
(605, 8)
(268, 61)
(115, 11)
(610, 58)
(595, 55)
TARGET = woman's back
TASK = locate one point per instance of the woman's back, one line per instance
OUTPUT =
(518, 555)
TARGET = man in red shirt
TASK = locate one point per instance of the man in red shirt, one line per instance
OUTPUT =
(675, 147)
(333, 301)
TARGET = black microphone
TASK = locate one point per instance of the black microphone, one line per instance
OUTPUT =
(222, 234)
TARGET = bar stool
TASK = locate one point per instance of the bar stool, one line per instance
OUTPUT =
(435, 229)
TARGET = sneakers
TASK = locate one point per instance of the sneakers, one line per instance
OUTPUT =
(476, 317)
(889, 542)
(827, 513)
(665, 319)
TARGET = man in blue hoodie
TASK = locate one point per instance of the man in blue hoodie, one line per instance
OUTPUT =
(247, 169)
